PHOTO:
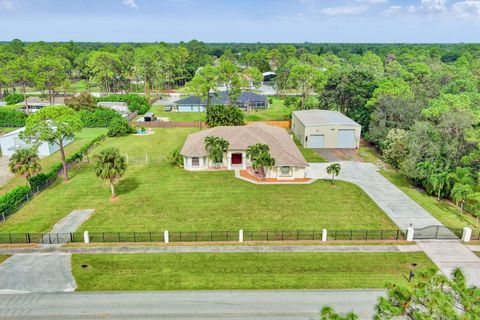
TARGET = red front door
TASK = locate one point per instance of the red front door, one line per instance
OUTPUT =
(236, 158)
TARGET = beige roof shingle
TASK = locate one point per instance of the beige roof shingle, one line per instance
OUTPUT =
(281, 145)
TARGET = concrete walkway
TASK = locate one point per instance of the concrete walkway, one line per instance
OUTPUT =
(446, 254)
(397, 205)
(241, 304)
(72, 222)
(37, 272)
(216, 249)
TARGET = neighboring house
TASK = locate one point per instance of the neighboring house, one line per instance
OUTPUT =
(120, 107)
(10, 142)
(289, 162)
(325, 129)
(246, 101)
(37, 103)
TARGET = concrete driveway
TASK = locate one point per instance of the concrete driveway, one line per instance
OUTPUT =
(397, 205)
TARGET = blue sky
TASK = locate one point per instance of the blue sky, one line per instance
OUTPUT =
(241, 20)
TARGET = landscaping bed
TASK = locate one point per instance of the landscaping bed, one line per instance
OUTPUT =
(225, 271)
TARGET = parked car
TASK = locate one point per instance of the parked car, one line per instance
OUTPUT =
(168, 108)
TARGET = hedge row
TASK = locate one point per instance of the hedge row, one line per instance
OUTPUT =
(14, 98)
(134, 101)
(98, 118)
(12, 118)
(10, 201)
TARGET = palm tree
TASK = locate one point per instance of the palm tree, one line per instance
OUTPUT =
(110, 165)
(438, 182)
(216, 146)
(460, 193)
(263, 160)
(334, 170)
(25, 163)
(461, 175)
(254, 150)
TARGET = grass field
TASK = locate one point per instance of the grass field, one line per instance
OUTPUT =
(157, 197)
(3, 257)
(225, 271)
(276, 111)
(47, 163)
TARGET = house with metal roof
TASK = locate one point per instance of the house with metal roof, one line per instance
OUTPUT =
(246, 101)
(289, 161)
(318, 129)
(120, 107)
(11, 142)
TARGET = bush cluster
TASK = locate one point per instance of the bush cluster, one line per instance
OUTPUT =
(119, 128)
(98, 118)
(12, 199)
(14, 98)
(134, 101)
(12, 118)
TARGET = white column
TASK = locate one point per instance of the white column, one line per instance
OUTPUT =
(410, 233)
(165, 236)
(467, 234)
(244, 161)
(229, 161)
(240, 236)
(86, 237)
(324, 235)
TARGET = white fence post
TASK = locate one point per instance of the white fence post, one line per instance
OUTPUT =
(165, 236)
(324, 235)
(240, 236)
(86, 237)
(410, 233)
(467, 234)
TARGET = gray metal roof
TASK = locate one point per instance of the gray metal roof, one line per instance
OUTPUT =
(316, 117)
(222, 98)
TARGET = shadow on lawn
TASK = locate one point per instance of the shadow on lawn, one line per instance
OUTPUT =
(127, 185)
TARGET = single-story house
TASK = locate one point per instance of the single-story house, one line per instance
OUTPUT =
(289, 161)
(11, 142)
(120, 107)
(37, 103)
(325, 129)
(246, 101)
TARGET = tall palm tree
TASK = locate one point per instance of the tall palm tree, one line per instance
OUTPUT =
(439, 181)
(334, 170)
(462, 175)
(110, 165)
(263, 160)
(460, 194)
(25, 163)
(255, 150)
(216, 146)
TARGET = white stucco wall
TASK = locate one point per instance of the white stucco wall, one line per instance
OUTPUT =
(44, 149)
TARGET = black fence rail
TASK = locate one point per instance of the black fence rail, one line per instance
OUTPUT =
(202, 236)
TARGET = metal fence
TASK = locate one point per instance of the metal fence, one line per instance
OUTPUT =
(202, 236)
(171, 124)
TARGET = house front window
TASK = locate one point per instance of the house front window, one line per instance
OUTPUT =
(195, 161)
(285, 171)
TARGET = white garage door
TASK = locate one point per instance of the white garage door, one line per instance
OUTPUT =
(346, 138)
(316, 141)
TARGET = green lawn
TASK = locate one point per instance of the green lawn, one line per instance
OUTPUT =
(47, 163)
(276, 111)
(309, 154)
(443, 210)
(4, 130)
(157, 197)
(3, 257)
(225, 271)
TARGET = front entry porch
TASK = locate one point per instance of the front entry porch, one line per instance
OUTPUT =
(237, 160)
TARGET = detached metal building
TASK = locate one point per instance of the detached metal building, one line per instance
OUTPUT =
(317, 129)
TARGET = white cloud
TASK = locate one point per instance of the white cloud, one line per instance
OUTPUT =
(6, 5)
(372, 1)
(392, 10)
(434, 6)
(130, 3)
(467, 9)
(334, 11)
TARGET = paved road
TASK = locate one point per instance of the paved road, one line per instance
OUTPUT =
(37, 272)
(397, 205)
(215, 249)
(266, 304)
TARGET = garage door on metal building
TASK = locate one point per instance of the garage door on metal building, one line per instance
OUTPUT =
(346, 138)
(316, 141)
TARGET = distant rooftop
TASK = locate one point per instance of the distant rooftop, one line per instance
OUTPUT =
(316, 117)
(222, 98)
